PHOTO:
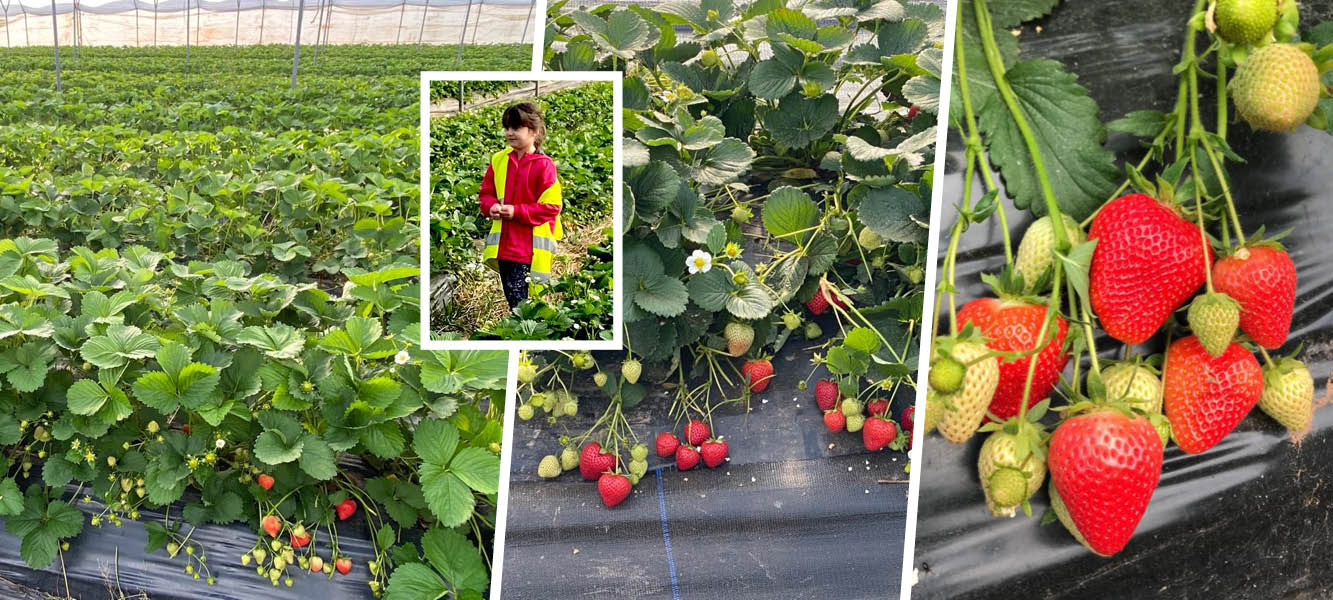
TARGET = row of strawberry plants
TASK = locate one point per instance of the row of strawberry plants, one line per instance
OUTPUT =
(770, 161)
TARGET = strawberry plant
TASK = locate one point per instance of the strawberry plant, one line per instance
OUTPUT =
(773, 159)
(208, 286)
(998, 365)
(577, 303)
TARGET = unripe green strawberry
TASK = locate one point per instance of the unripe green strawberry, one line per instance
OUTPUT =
(1245, 22)
(1289, 396)
(639, 452)
(549, 468)
(1037, 250)
(791, 320)
(1162, 425)
(539, 399)
(960, 413)
(708, 58)
(1214, 319)
(1062, 513)
(599, 378)
(1136, 385)
(525, 412)
(1005, 481)
(812, 330)
(569, 458)
(741, 214)
(851, 406)
(739, 337)
(869, 240)
(855, 422)
(630, 370)
(638, 467)
(946, 375)
(526, 371)
(570, 407)
(1276, 88)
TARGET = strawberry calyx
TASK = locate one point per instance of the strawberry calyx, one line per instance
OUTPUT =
(1256, 239)
(1009, 287)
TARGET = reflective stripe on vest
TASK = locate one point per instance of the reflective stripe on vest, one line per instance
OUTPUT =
(544, 236)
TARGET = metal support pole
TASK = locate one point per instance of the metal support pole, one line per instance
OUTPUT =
(237, 41)
(319, 29)
(27, 39)
(463, 37)
(401, 13)
(136, 23)
(154, 23)
(263, 7)
(187, 33)
(527, 22)
(7, 44)
(425, 11)
(460, 95)
(328, 25)
(480, 4)
(55, 35)
(296, 54)
(76, 30)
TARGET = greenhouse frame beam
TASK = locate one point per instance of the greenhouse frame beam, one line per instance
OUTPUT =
(76, 30)
(296, 54)
(154, 23)
(27, 38)
(187, 33)
(528, 22)
(263, 6)
(7, 45)
(401, 13)
(319, 29)
(480, 4)
(136, 23)
(425, 11)
(55, 35)
(463, 37)
(237, 41)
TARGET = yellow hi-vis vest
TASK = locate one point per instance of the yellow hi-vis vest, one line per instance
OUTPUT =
(544, 236)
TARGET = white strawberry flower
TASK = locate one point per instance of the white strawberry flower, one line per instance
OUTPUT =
(402, 357)
(220, 444)
(699, 262)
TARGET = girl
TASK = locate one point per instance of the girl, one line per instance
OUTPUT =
(521, 196)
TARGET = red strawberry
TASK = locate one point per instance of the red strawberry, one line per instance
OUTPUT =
(877, 407)
(686, 457)
(877, 433)
(835, 420)
(913, 112)
(265, 481)
(186, 428)
(758, 372)
(343, 565)
(713, 452)
(1206, 396)
(614, 488)
(906, 418)
(346, 509)
(1105, 466)
(696, 432)
(300, 541)
(1147, 263)
(1012, 325)
(272, 525)
(826, 393)
(818, 305)
(667, 443)
(1263, 280)
(593, 462)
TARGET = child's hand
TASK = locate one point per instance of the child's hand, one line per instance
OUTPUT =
(494, 212)
(507, 212)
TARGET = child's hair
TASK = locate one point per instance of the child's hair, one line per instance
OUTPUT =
(526, 114)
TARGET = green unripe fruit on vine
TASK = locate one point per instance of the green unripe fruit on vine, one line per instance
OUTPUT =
(494, 448)
(40, 434)
(638, 467)
(526, 372)
(708, 58)
(630, 370)
(712, 14)
(153, 427)
(1008, 487)
(639, 452)
(549, 468)
(1036, 250)
(791, 320)
(599, 378)
(307, 387)
(569, 458)
(742, 214)
(538, 399)
(740, 278)
(839, 225)
(245, 559)
(802, 385)
(1276, 88)
(87, 366)
(812, 330)
(913, 273)
(855, 422)
(851, 406)
(525, 412)
(812, 89)
(869, 240)
(1245, 22)
(172, 549)
(946, 375)
(260, 554)
(570, 408)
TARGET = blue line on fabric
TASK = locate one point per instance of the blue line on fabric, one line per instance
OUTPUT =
(666, 536)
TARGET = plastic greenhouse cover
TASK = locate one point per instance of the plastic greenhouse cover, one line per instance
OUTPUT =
(1248, 518)
(795, 513)
(107, 7)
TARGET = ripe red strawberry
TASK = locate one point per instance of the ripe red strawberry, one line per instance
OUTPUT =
(878, 407)
(686, 457)
(826, 393)
(1206, 396)
(913, 112)
(343, 565)
(905, 418)
(613, 488)
(758, 372)
(713, 452)
(818, 305)
(300, 541)
(696, 432)
(1012, 325)
(1263, 280)
(593, 462)
(265, 481)
(1147, 263)
(835, 420)
(272, 525)
(877, 433)
(1105, 466)
(667, 443)
(346, 509)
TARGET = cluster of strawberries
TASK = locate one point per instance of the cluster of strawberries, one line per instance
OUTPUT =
(877, 430)
(283, 555)
(1105, 456)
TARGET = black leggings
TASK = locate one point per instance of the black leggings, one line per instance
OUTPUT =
(514, 280)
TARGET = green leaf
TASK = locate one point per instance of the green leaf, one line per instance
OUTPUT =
(121, 344)
(711, 290)
(447, 497)
(799, 121)
(863, 339)
(85, 397)
(11, 499)
(1064, 123)
(9, 430)
(379, 392)
(271, 449)
(317, 458)
(478, 468)
(787, 211)
(653, 187)
(415, 581)
(774, 77)
(456, 557)
(277, 340)
(1140, 123)
(1012, 13)
(661, 295)
(724, 162)
(894, 213)
(384, 440)
(435, 441)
